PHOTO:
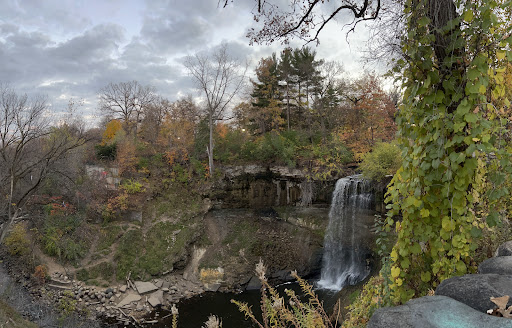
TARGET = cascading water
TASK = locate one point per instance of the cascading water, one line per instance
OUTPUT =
(345, 257)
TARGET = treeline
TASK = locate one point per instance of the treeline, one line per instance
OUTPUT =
(301, 110)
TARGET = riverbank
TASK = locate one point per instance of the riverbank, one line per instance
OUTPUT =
(17, 294)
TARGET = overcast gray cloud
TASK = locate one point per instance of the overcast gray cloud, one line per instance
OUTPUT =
(71, 49)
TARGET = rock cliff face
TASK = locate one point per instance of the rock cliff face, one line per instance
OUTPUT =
(255, 186)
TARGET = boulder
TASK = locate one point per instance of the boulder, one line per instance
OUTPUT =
(435, 312)
(144, 287)
(212, 287)
(129, 299)
(156, 299)
(253, 284)
(498, 265)
(504, 249)
(475, 290)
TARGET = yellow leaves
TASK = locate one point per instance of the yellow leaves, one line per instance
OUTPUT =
(394, 255)
(500, 55)
(448, 224)
(395, 272)
(424, 213)
(110, 131)
(482, 89)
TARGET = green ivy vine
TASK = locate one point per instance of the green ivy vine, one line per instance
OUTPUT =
(450, 126)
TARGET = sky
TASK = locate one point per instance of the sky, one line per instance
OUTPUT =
(67, 49)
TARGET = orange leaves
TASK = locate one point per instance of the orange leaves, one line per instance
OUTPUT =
(222, 130)
(370, 116)
(126, 157)
(110, 131)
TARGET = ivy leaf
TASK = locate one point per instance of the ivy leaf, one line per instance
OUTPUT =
(471, 118)
(423, 21)
(468, 16)
(395, 272)
(492, 219)
(447, 224)
(416, 248)
(475, 232)
(473, 74)
(461, 267)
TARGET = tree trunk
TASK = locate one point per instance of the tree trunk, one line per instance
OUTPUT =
(288, 105)
(4, 228)
(210, 147)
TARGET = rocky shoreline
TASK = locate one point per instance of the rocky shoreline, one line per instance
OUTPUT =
(129, 302)
(16, 291)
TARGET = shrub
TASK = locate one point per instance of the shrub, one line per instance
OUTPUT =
(383, 160)
(67, 304)
(64, 237)
(132, 187)
(365, 305)
(106, 152)
(40, 274)
(276, 313)
(18, 241)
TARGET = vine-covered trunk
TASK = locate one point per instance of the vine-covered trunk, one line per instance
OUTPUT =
(445, 128)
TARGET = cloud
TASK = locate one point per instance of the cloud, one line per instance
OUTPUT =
(72, 49)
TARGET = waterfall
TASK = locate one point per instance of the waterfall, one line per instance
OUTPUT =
(345, 256)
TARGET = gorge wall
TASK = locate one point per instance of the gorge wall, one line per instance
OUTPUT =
(254, 186)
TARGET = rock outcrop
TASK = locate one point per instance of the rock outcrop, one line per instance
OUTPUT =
(254, 186)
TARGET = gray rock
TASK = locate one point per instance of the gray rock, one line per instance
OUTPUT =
(212, 287)
(129, 299)
(156, 298)
(435, 312)
(253, 284)
(504, 249)
(144, 287)
(498, 265)
(475, 290)
(122, 289)
(159, 283)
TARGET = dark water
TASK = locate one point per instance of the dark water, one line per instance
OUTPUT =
(195, 311)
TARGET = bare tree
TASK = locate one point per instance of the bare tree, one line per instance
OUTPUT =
(219, 77)
(305, 19)
(127, 101)
(30, 150)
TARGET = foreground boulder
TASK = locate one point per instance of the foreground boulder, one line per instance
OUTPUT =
(498, 265)
(475, 290)
(435, 312)
(504, 249)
